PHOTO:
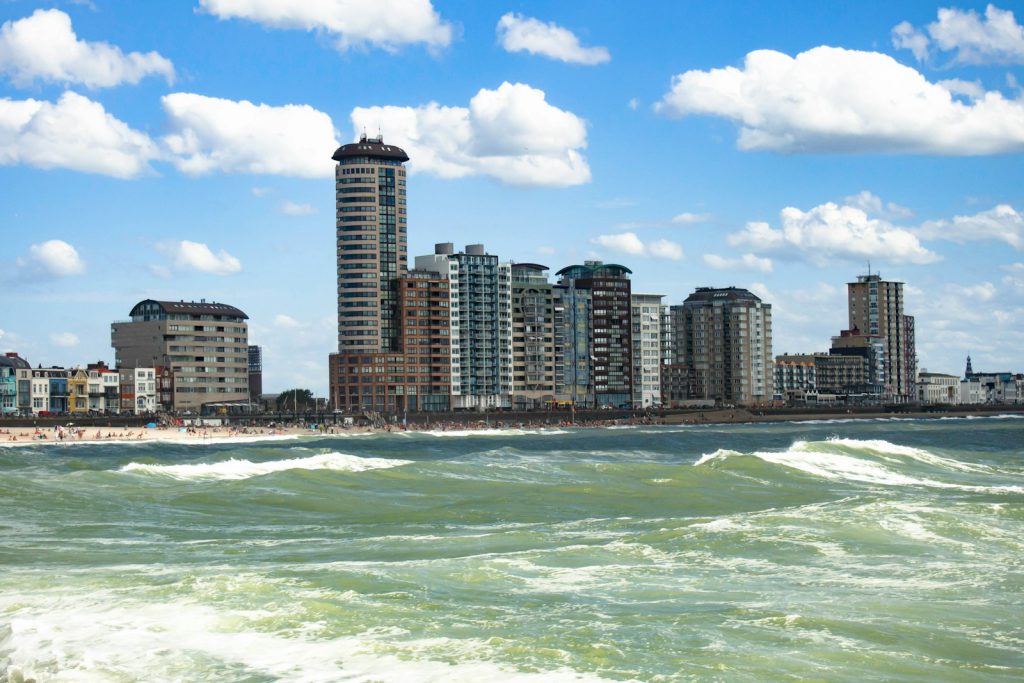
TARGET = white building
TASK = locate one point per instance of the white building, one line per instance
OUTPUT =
(648, 314)
(480, 324)
(937, 388)
(138, 390)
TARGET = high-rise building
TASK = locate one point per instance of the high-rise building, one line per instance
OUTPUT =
(573, 356)
(876, 307)
(372, 243)
(481, 324)
(647, 348)
(608, 362)
(722, 347)
(204, 345)
(533, 336)
(424, 319)
(372, 252)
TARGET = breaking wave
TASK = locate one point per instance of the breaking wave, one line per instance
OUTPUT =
(244, 469)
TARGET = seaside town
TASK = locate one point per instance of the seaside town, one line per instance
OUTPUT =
(467, 330)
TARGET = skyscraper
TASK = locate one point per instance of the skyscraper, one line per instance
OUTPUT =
(370, 195)
(876, 308)
(372, 243)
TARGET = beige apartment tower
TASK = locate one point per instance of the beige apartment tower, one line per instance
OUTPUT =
(202, 349)
(876, 308)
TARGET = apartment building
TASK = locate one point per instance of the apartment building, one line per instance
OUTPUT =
(647, 314)
(533, 336)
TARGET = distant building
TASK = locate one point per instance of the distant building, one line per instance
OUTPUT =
(876, 307)
(647, 312)
(722, 348)
(255, 362)
(198, 348)
(871, 349)
(533, 336)
(937, 388)
(104, 388)
(812, 376)
(10, 363)
(604, 357)
(481, 324)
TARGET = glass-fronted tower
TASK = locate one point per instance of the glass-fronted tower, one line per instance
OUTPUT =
(372, 243)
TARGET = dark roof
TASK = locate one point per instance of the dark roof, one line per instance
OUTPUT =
(709, 294)
(192, 308)
(15, 361)
(528, 266)
(595, 269)
(370, 147)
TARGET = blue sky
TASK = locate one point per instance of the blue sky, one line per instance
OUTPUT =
(182, 149)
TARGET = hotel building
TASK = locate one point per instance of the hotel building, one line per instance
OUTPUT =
(876, 308)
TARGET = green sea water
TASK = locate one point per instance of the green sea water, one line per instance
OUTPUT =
(888, 550)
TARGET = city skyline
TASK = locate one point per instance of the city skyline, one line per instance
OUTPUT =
(141, 164)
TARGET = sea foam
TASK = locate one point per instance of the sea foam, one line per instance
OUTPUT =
(244, 469)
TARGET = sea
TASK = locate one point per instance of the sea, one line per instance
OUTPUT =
(867, 550)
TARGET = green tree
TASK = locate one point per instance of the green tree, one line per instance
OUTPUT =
(295, 399)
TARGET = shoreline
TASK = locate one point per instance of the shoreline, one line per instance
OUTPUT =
(66, 435)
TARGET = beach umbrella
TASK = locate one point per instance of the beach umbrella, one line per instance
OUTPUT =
(151, 425)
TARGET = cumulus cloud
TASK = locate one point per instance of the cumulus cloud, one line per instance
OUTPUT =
(64, 339)
(188, 255)
(686, 218)
(44, 47)
(75, 133)
(286, 322)
(213, 134)
(53, 258)
(845, 101)
(517, 33)
(387, 24)
(995, 38)
(745, 262)
(1002, 224)
(510, 133)
(830, 232)
(294, 209)
(628, 243)
(873, 205)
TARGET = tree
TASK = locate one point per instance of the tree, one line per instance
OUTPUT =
(299, 400)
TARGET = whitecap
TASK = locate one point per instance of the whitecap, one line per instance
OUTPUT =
(244, 469)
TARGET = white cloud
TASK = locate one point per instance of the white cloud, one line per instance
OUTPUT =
(845, 101)
(1015, 268)
(745, 262)
(213, 134)
(388, 24)
(872, 204)
(984, 291)
(75, 133)
(830, 232)
(45, 47)
(995, 38)
(517, 33)
(293, 209)
(905, 36)
(198, 256)
(665, 249)
(260, 191)
(286, 322)
(971, 89)
(687, 218)
(511, 134)
(628, 243)
(53, 258)
(1002, 223)
(634, 104)
(64, 339)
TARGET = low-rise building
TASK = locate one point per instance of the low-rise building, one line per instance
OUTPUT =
(10, 364)
(937, 388)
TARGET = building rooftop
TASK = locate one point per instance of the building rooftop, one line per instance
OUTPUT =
(201, 307)
(13, 360)
(712, 294)
(370, 147)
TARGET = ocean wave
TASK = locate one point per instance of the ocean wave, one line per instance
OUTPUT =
(244, 469)
(512, 431)
(818, 458)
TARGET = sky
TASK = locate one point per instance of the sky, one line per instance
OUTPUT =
(182, 150)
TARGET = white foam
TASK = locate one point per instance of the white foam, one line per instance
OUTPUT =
(89, 638)
(244, 469)
(921, 455)
(720, 454)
